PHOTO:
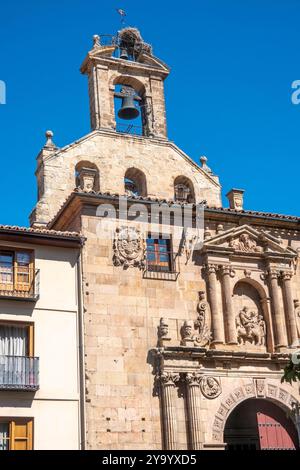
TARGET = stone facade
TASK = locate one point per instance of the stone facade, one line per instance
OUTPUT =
(168, 356)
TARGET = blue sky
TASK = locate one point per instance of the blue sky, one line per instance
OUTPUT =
(228, 95)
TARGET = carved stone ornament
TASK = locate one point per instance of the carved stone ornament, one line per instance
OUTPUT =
(186, 332)
(250, 327)
(246, 244)
(260, 387)
(128, 248)
(163, 332)
(168, 378)
(202, 324)
(297, 315)
(210, 387)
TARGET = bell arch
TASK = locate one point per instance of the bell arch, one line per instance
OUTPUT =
(184, 189)
(252, 314)
(131, 109)
(135, 183)
(87, 176)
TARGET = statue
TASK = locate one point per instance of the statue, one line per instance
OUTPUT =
(297, 315)
(250, 327)
(202, 324)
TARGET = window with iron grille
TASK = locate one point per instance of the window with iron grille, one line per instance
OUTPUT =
(159, 254)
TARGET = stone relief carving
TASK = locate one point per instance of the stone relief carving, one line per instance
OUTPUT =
(246, 244)
(260, 387)
(210, 387)
(297, 315)
(128, 248)
(250, 327)
(202, 324)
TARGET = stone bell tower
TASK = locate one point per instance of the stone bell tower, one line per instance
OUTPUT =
(126, 60)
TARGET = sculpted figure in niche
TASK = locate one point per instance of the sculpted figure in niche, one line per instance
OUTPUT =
(250, 327)
(245, 243)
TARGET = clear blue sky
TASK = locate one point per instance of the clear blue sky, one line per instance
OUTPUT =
(228, 94)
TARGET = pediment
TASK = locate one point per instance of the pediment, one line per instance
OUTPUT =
(247, 240)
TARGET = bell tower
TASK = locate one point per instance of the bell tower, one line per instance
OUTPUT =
(123, 72)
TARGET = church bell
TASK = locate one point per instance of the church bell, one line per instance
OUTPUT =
(123, 54)
(128, 109)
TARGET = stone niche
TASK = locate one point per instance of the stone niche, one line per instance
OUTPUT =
(250, 318)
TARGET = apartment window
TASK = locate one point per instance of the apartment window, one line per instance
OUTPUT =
(16, 339)
(16, 434)
(159, 254)
(19, 369)
(16, 273)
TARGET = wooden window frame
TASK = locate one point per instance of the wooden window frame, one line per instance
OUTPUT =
(16, 285)
(30, 332)
(12, 424)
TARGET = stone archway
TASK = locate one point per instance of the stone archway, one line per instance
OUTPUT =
(258, 388)
(259, 424)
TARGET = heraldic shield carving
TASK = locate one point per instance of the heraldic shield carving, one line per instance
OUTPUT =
(128, 248)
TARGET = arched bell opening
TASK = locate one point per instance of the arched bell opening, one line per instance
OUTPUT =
(260, 424)
(135, 183)
(132, 109)
(87, 176)
(184, 190)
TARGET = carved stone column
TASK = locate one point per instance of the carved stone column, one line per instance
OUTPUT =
(216, 313)
(280, 336)
(168, 381)
(230, 328)
(193, 409)
(289, 307)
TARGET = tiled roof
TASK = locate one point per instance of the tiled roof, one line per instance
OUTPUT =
(225, 210)
(39, 231)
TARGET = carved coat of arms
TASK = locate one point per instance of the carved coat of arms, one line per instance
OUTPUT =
(128, 248)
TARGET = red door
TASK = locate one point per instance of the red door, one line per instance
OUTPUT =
(273, 434)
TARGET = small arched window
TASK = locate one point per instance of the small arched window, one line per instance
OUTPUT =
(135, 183)
(184, 190)
(87, 176)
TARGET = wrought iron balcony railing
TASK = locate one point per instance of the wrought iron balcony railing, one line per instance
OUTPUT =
(19, 373)
(20, 283)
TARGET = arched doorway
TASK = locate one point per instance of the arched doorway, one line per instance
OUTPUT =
(258, 424)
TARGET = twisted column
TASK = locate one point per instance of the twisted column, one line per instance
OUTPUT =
(231, 335)
(289, 308)
(168, 382)
(192, 381)
(216, 313)
(280, 334)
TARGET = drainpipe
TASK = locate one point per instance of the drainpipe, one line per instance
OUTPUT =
(81, 352)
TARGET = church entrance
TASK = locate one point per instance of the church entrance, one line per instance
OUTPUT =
(258, 424)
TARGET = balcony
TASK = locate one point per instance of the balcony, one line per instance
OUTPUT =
(19, 373)
(20, 284)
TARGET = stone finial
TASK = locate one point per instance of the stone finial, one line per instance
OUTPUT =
(96, 40)
(49, 143)
(236, 199)
(205, 167)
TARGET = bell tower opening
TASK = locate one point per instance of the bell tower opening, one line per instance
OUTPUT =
(126, 85)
